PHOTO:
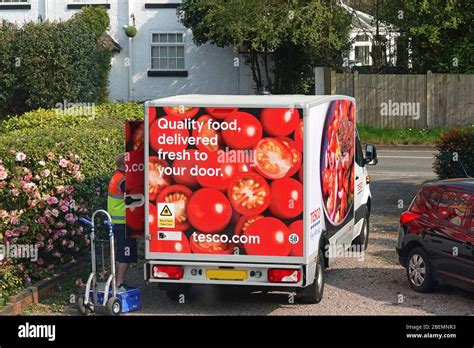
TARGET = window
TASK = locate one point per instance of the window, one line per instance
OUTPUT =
(453, 207)
(362, 55)
(362, 37)
(359, 156)
(167, 51)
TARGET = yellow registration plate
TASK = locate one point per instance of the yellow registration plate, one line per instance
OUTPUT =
(226, 274)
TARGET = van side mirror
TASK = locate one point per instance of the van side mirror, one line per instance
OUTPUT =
(371, 155)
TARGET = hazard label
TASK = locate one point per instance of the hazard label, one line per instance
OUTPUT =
(166, 215)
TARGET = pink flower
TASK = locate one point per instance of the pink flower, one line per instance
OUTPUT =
(15, 221)
(55, 236)
(15, 192)
(62, 232)
(24, 228)
(60, 189)
(52, 200)
(20, 267)
(40, 237)
(3, 173)
(63, 163)
(76, 167)
(55, 212)
(27, 177)
(69, 190)
(41, 220)
(28, 280)
(64, 208)
(71, 244)
(70, 218)
(59, 225)
(46, 173)
(40, 262)
(20, 156)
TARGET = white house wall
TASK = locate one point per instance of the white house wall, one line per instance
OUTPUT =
(210, 69)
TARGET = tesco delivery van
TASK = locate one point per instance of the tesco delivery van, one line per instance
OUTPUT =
(252, 190)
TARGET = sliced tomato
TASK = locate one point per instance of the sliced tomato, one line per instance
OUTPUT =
(249, 193)
(156, 180)
(297, 156)
(220, 113)
(179, 196)
(273, 159)
(209, 246)
(181, 111)
(244, 222)
(298, 136)
(208, 134)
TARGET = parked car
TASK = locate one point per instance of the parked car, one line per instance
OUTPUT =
(436, 236)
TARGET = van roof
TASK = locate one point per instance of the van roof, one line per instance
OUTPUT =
(246, 101)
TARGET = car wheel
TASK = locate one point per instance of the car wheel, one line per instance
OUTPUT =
(419, 271)
(362, 240)
(314, 293)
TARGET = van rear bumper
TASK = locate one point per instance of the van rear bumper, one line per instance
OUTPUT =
(197, 273)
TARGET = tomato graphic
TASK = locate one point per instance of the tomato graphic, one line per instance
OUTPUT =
(249, 193)
(269, 236)
(297, 228)
(171, 246)
(209, 210)
(286, 201)
(221, 181)
(137, 138)
(178, 195)
(249, 131)
(207, 133)
(220, 113)
(157, 132)
(297, 157)
(151, 115)
(298, 136)
(300, 174)
(156, 180)
(186, 164)
(181, 112)
(244, 222)
(273, 159)
(135, 217)
(444, 211)
(279, 122)
(209, 247)
(134, 171)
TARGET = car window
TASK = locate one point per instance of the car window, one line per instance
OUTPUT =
(359, 156)
(418, 205)
(453, 207)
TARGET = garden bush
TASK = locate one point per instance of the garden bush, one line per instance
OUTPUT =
(53, 169)
(455, 158)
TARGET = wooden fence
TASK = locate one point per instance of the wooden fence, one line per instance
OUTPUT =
(408, 101)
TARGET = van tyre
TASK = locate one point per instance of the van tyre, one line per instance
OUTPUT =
(314, 293)
(114, 306)
(362, 240)
(419, 272)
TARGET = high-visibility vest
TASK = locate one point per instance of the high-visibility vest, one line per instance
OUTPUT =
(116, 198)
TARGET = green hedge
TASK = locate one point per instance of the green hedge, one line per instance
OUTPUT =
(43, 64)
(455, 156)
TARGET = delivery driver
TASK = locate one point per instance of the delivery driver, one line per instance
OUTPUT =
(126, 251)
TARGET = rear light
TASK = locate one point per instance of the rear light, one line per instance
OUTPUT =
(407, 217)
(284, 275)
(167, 272)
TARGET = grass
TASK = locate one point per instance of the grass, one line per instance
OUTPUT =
(399, 136)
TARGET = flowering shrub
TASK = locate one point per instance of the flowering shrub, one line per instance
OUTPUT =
(39, 209)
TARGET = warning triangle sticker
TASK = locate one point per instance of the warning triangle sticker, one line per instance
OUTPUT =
(166, 211)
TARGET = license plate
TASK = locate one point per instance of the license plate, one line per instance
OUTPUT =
(226, 274)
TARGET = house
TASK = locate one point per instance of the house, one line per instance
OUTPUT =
(161, 60)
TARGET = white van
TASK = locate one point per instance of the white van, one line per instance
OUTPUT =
(252, 190)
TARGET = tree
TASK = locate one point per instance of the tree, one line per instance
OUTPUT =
(271, 35)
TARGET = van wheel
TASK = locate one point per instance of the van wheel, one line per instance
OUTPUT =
(362, 240)
(179, 293)
(314, 293)
(419, 271)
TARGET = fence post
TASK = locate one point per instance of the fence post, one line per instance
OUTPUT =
(355, 92)
(319, 80)
(333, 82)
(429, 87)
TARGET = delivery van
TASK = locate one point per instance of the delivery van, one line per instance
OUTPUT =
(252, 190)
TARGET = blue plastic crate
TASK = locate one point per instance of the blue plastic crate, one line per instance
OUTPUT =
(130, 299)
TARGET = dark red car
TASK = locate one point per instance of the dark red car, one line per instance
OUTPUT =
(436, 236)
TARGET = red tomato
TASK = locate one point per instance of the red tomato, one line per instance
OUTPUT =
(298, 136)
(273, 159)
(171, 246)
(181, 111)
(186, 178)
(157, 132)
(207, 133)
(297, 157)
(151, 114)
(222, 181)
(209, 246)
(179, 195)
(244, 223)
(300, 174)
(209, 210)
(267, 236)
(248, 133)
(279, 122)
(135, 217)
(137, 139)
(156, 180)
(286, 201)
(134, 171)
(152, 219)
(249, 193)
(220, 113)
(297, 228)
